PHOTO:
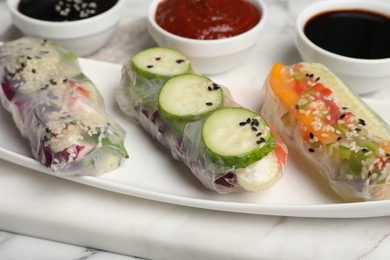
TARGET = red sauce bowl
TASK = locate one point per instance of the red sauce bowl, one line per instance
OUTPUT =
(210, 56)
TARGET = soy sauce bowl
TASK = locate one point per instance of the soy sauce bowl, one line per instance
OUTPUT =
(363, 75)
(83, 36)
(210, 56)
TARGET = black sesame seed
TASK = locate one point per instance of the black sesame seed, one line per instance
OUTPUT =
(362, 122)
(242, 123)
(259, 134)
(150, 66)
(158, 58)
(248, 120)
(343, 116)
(307, 74)
(254, 129)
(387, 154)
(344, 108)
(209, 103)
(33, 71)
(365, 150)
(311, 135)
(339, 138)
(311, 75)
(209, 88)
(65, 80)
(311, 150)
(45, 87)
(179, 61)
(358, 130)
(297, 106)
(318, 79)
(255, 122)
(261, 140)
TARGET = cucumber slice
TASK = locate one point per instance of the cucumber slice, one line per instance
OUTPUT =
(160, 62)
(151, 68)
(189, 97)
(236, 137)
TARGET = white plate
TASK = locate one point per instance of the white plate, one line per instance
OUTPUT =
(151, 173)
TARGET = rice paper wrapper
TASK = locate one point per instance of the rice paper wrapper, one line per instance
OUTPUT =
(58, 109)
(352, 178)
(190, 149)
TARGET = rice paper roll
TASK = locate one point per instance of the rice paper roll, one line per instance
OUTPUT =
(332, 127)
(176, 106)
(58, 109)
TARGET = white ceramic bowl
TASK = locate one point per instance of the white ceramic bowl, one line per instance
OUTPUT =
(83, 36)
(210, 56)
(362, 75)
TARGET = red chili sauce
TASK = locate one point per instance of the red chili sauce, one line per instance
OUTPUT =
(207, 19)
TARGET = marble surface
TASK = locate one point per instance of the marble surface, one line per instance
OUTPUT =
(124, 227)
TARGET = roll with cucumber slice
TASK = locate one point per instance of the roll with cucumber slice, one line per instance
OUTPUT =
(227, 147)
(331, 127)
(141, 82)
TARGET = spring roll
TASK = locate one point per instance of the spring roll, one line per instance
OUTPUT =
(333, 128)
(227, 147)
(58, 109)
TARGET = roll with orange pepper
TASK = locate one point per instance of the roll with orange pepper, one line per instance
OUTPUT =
(319, 116)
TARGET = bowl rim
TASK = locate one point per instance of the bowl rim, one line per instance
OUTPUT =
(258, 3)
(333, 5)
(12, 6)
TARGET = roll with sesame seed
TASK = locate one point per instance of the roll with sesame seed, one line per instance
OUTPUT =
(227, 147)
(332, 127)
(58, 109)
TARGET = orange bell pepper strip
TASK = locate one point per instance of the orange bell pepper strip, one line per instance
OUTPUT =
(281, 88)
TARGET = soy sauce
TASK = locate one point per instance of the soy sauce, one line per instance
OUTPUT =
(352, 33)
(64, 10)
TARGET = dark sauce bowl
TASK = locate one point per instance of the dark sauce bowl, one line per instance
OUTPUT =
(340, 34)
(83, 36)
